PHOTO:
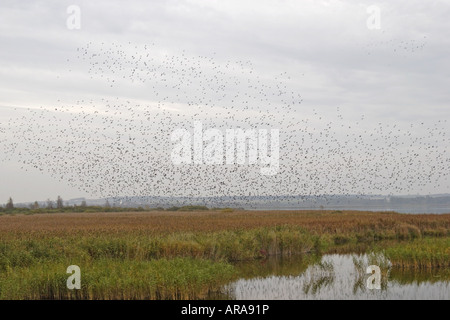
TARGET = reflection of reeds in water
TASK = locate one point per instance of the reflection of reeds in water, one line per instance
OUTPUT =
(337, 277)
(415, 276)
(360, 268)
(319, 276)
(276, 266)
(361, 263)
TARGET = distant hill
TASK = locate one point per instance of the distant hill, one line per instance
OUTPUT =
(377, 202)
(427, 204)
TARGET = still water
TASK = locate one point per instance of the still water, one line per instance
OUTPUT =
(333, 276)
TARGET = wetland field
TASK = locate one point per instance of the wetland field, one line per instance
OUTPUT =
(225, 254)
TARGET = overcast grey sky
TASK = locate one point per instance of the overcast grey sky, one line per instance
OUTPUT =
(325, 55)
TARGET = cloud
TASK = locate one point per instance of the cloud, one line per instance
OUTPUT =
(321, 50)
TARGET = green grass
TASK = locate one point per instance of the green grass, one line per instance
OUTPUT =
(178, 278)
(175, 266)
(420, 254)
(224, 245)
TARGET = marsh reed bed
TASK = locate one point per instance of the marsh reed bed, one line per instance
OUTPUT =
(188, 255)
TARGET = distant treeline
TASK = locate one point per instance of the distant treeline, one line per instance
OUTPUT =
(92, 209)
(68, 209)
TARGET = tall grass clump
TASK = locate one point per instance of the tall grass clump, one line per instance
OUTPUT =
(420, 254)
(179, 278)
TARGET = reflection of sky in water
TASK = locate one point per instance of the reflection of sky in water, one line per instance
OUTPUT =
(335, 278)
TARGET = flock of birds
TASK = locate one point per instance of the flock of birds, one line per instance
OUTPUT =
(396, 46)
(116, 141)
